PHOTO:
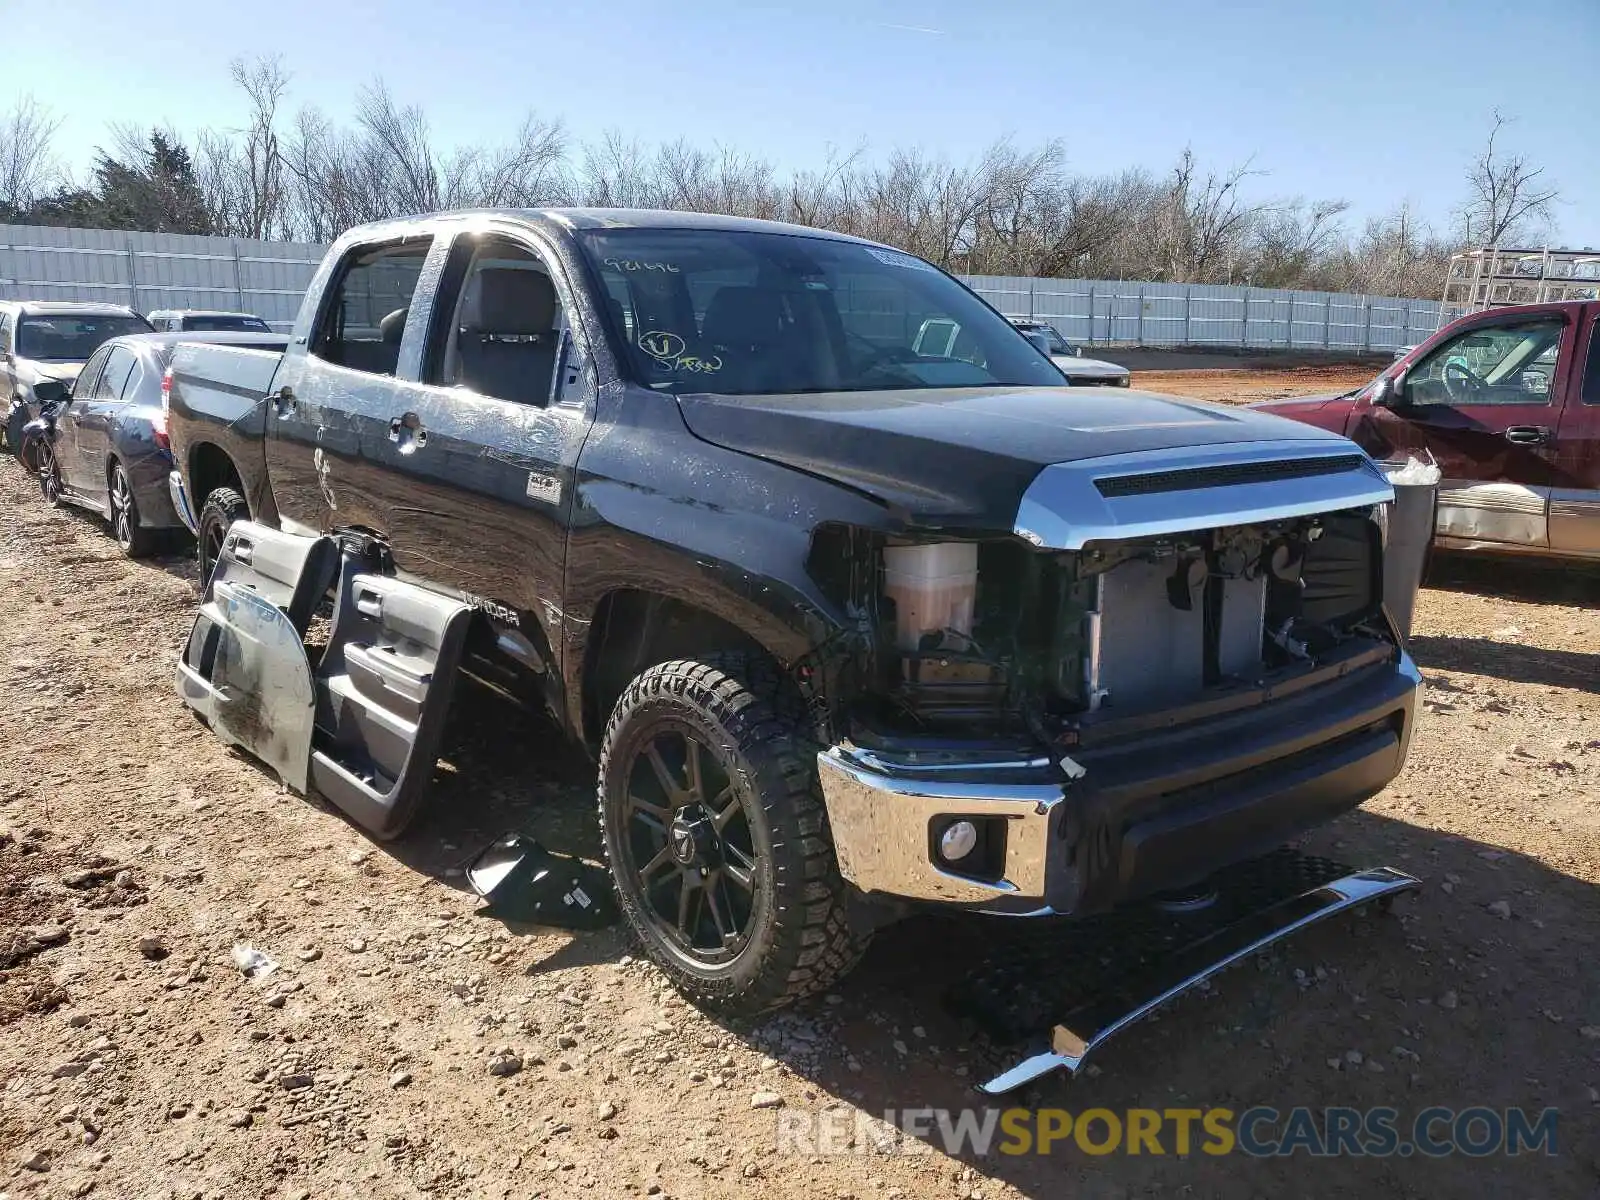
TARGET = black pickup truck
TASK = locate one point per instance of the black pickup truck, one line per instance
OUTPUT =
(847, 626)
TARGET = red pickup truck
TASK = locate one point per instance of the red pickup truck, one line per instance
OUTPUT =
(1508, 401)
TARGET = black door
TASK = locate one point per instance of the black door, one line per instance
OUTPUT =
(473, 467)
(340, 388)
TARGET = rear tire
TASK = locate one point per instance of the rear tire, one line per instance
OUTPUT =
(222, 508)
(749, 913)
(135, 540)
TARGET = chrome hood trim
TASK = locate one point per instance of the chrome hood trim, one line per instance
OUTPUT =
(1064, 509)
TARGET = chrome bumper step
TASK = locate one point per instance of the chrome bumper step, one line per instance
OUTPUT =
(1172, 951)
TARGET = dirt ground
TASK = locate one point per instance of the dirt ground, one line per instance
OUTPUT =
(1265, 383)
(407, 1047)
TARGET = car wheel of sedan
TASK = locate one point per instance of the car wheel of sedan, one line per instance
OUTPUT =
(718, 840)
(49, 474)
(135, 540)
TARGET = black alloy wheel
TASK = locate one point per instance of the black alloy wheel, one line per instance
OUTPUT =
(689, 846)
(717, 836)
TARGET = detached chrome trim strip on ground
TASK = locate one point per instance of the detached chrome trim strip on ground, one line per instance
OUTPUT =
(1064, 510)
(1094, 1022)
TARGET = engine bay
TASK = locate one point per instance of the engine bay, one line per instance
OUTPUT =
(997, 637)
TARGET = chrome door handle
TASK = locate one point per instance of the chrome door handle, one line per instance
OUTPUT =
(1527, 435)
(408, 432)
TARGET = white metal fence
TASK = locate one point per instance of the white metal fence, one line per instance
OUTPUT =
(156, 270)
(164, 270)
(1101, 312)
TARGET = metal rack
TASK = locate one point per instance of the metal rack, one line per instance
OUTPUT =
(1493, 276)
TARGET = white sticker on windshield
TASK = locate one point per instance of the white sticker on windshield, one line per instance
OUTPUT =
(895, 259)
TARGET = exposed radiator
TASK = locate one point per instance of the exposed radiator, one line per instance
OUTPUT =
(1145, 652)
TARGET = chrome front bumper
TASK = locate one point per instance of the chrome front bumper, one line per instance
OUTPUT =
(884, 814)
(1173, 806)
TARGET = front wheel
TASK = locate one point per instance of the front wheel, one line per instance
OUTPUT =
(717, 837)
(49, 473)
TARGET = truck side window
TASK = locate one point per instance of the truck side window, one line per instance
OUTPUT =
(365, 316)
(506, 323)
(1492, 364)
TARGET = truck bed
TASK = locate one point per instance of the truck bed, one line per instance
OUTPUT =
(218, 398)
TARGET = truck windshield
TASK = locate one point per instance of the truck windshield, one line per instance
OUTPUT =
(744, 313)
(62, 338)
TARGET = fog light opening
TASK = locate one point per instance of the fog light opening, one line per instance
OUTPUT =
(959, 839)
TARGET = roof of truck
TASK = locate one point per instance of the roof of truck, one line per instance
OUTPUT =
(609, 218)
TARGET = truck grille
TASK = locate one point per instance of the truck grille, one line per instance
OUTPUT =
(1205, 477)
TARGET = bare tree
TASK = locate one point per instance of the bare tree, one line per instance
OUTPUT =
(1204, 222)
(1508, 196)
(617, 173)
(260, 160)
(1291, 240)
(1395, 255)
(27, 167)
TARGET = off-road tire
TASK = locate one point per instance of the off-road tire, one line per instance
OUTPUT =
(800, 941)
(222, 508)
(136, 541)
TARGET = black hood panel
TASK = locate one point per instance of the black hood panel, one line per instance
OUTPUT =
(965, 456)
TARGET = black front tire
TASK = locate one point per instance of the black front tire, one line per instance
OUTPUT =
(136, 541)
(222, 508)
(760, 809)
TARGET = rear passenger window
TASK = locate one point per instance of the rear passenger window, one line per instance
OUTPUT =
(365, 318)
(118, 367)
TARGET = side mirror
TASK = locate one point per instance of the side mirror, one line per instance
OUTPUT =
(51, 391)
(1390, 393)
(1039, 341)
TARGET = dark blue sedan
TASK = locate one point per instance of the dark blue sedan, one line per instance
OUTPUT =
(109, 451)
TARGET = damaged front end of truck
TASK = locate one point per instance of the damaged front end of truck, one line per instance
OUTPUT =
(1174, 663)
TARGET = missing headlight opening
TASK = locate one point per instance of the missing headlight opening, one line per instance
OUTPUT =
(999, 637)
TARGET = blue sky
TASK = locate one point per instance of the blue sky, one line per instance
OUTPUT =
(1372, 101)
